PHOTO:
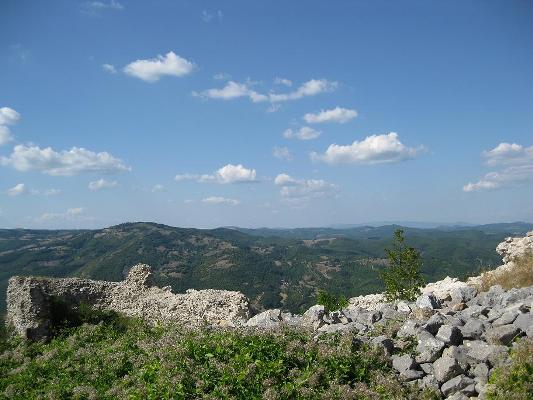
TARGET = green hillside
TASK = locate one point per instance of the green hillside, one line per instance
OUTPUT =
(274, 268)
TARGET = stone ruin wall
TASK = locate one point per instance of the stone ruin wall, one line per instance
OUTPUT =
(29, 302)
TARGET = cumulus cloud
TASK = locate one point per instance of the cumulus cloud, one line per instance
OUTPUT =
(63, 163)
(304, 189)
(227, 174)
(517, 163)
(8, 116)
(52, 192)
(338, 114)
(304, 133)
(234, 90)
(283, 153)
(283, 81)
(109, 68)
(70, 214)
(207, 16)
(220, 200)
(153, 69)
(375, 149)
(509, 154)
(17, 190)
(102, 184)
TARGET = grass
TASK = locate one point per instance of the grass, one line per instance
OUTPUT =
(127, 359)
(514, 382)
(521, 275)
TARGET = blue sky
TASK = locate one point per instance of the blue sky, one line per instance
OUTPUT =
(265, 113)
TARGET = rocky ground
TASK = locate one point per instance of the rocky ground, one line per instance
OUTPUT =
(450, 339)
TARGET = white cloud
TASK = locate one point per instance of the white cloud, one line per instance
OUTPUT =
(304, 189)
(5, 135)
(70, 214)
(101, 5)
(220, 200)
(102, 184)
(8, 116)
(518, 163)
(509, 154)
(152, 70)
(97, 7)
(234, 90)
(208, 16)
(375, 149)
(283, 81)
(109, 68)
(17, 190)
(283, 153)
(227, 174)
(64, 163)
(304, 133)
(337, 114)
(158, 188)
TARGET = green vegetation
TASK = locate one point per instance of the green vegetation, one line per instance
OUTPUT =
(402, 277)
(514, 382)
(283, 271)
(331, 302)
(130, 360)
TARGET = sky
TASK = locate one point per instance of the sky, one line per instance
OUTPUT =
(265, 113)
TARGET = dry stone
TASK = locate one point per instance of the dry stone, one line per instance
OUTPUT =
(30, 301)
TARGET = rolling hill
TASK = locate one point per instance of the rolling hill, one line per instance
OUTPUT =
(273, 267)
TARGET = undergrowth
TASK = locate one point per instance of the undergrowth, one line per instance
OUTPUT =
(131, 360)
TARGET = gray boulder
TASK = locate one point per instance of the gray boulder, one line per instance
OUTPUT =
(434, 323)
(428, 302)
(483, 352)
(454, 385)
(506, 318)
(403, 363)
(449, 335)
(266, 319)
(524, 322)
(446, 368)
(314, 317)
(472, 329)
(502, 334)
(383, 343)
(428, 348)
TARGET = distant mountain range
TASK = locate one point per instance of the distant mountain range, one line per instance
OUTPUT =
(274, 267)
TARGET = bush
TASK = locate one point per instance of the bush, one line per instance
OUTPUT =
(514, 382)
(520, 275)
(331, 302)
(402, 277)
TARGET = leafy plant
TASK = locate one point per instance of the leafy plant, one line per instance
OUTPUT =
(331, 302)
(515, 381)
(402, 277)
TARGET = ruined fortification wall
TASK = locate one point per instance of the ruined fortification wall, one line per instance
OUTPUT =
(29, 301)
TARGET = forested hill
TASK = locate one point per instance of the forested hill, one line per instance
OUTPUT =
(274, 268)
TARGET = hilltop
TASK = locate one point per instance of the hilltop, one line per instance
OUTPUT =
(273, 268)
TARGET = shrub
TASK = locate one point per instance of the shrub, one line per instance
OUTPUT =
(331, 302)
(520, 275)
(143, 362)
(514, 382)
(402, 277)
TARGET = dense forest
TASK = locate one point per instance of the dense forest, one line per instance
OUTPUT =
(273, 267)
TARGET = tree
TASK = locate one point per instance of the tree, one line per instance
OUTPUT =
(402, 277)
(331, 302)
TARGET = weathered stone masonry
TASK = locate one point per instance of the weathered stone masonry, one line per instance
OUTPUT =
(29, 301)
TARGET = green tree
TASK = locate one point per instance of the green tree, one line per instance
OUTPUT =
(331, 302)
(402, 277)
